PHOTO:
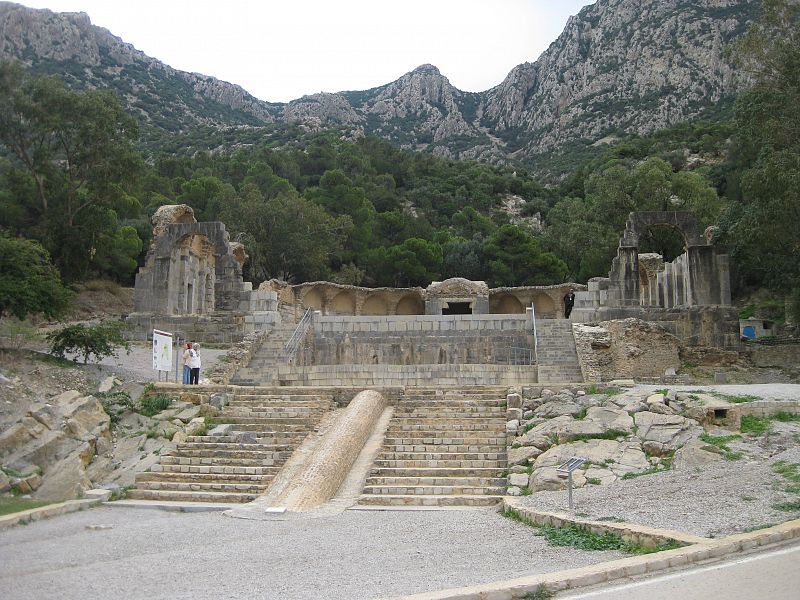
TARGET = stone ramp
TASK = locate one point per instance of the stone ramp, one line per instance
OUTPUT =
(557, 356)
(259, 431)
(442, 448)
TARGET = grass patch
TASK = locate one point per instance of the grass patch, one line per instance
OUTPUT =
(790, 506)
(785, 417)
(11, 504)
(152, 405)
(790, 471)
(593, 481)
(754, 425)
(582, 414)
(612, 434)
(759, 527)
(664, 465)
(541, 594)
(612, 391)
(735, 399)
(582, 539)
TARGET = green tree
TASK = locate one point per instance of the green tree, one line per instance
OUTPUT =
(515, 258)
(761, 223)
(29, 283)
(76, 149)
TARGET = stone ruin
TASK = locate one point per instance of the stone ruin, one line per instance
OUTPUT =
(192, 284)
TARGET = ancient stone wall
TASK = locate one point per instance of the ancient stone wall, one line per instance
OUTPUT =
(424, 339)
(630, 348)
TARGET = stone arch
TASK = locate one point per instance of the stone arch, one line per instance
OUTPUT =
(312, 298)
(191, 274)
(507, 304)
(344, 303)
(409, 305)
(544, 306)
(681, 221)
(375, 305)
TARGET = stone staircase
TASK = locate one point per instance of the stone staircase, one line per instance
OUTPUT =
(442, 449)
(268, 360)
(557, 356)
(238, 464)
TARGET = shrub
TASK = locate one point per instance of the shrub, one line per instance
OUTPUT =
(151, 405)
(100, 340)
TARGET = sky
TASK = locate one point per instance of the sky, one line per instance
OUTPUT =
(280, 51)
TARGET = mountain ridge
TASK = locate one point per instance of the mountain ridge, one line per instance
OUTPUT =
(618, 66)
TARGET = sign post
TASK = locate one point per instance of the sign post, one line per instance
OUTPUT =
(162, 352)
(568, 467)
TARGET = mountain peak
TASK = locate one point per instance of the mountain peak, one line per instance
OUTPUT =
(426, 69)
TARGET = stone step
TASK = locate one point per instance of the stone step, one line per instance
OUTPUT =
(447, 426)
(442, 448)
(251, 437)
(268, 428)
(183, 496)
(253, 453)
(434, 463)
(233, 478)
(260, 470)
(444, 440)
(185, 486)
(499, 482)
(449, 412)
(232, 447)
(391, 453)
(220, 462)
(435, 472)
(237, 412)
(454, 419)
(434, 490)
(296, 423)
(420, 500)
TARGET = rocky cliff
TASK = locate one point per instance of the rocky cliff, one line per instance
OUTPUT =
(619, 66)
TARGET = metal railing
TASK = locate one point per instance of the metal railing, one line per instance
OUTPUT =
(297, 336)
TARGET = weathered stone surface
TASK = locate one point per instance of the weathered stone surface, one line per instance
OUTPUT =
(518, 480)
(195, 426)
(514, 414)
(512, 426)
(106, 385)
(655, 398)
(672, 431)
(513, 491)
(542, 435)
(5, 482)
(661, 409)
(558, 409)
(179, 437)
(548, 478)
(695, 455)
(189, 413)
(514, 401)
(605, 476)
(523, 455)
(610, 418)
(619, 457)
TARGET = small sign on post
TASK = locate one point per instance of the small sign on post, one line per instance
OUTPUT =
(162, 351)
(568, 467)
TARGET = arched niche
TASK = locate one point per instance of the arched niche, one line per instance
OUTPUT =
(312, 299)
(344, 303)
(506, 304)
(191, 277)
(544, 306)
(410, 305)
(375, 305)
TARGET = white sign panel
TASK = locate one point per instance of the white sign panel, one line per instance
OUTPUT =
(162, 350)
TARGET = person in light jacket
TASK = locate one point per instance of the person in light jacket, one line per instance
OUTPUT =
(187, 363)
(195, 363)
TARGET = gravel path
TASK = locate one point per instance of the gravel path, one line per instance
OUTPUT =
(138, 365)
(150, 555)
(720, 499)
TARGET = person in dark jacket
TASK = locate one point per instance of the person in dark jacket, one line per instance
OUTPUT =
(569, 302)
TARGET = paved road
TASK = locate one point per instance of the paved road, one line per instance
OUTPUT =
(773, 575)
(357, 555)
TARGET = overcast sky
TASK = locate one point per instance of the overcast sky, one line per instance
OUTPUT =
(280, 51)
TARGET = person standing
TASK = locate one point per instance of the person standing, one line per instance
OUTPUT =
(569, 302)
(187, 363)
(194, 375)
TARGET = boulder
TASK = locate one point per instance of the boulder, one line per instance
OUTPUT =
(695, 455)
(610, 418)
(179, 437)
(513, 491)
(523, 455)
(189, 413)
(513, 401)
(605, 476)
(519, 480)
(655, 399)
(543, 435)
(196, 426)
(619, 457)
(5, 482)
(587, 400)
(107, 385)
(662, 409)
(671, 431)
(548, 478)
(558, 408)
(512, 426)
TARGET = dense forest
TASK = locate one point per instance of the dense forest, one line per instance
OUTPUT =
(318, 205)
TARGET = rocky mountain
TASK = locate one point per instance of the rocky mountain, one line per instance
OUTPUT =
(628, 66)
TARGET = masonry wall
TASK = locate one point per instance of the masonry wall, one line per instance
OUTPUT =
(417, 340)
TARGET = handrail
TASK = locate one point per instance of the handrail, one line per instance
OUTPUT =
(535, 335)
(297, 336)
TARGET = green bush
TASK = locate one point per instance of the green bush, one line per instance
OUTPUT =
(151, 405)
(100, 340)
